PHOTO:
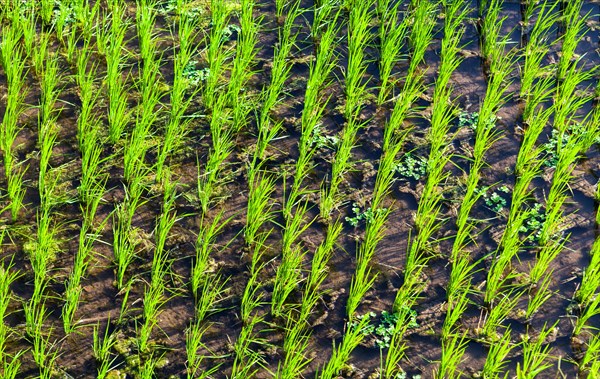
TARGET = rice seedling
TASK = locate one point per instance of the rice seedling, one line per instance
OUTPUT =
(535, 354)
(176, 127)
(359, 37)
(575, 28)
(102, 345)
(280, 72)
(217, 54)
(207, 285)
(154, 297)
(590, 282)
(590, 363)
(13, 63)
(124, 245)
(118, 114)
(537, 48)
(222, 146)
(498, 355)
(341, 353)
(7, 277)
(392, 34)
(241, 70)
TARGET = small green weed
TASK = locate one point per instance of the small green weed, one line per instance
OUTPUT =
(555, 141)
(471, 120)
(466, 119)
(194, 75)
(496, 201)
(533, 223)
(411, 167)
(191, 10)
(384, 330)
(320, 140)
(551, 147)
(367, 215)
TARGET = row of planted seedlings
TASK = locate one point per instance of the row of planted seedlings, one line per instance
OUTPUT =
(585, 335)
(228, 107)
(394, 133)
(14, 64)
(47, 239)
(574, 136)
(325, 28)
(428, 220)
(42, 249)
(261, 214)
(127, 149)
(359, 37)
(502, 293)
(585, 340)
(454, 340)
(13, 61)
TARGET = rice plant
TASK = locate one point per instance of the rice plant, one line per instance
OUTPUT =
(359, 37)
(13, 62)
(154, 297)
(392, 34)
(118, 113)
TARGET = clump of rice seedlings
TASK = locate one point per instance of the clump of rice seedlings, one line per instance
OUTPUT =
(590, 363)
(7, 278)
(575, 28)
(392, 34)
(112, 41)
(102, 344)
(491, 26)
(43, 351)
(536, 353)
(280, 72)
(427, 217)
(85, 15)
(241, 71)
(176, 127)
(586, 294)
(498, 356)
(124, 243)
(359, 37)
(353, 336)
(536, 49)
(223, 142)
(218, 54)
(88, 93)
(154, 297)
(13, 63)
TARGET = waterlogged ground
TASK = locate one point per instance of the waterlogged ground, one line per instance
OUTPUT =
(102, 302)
